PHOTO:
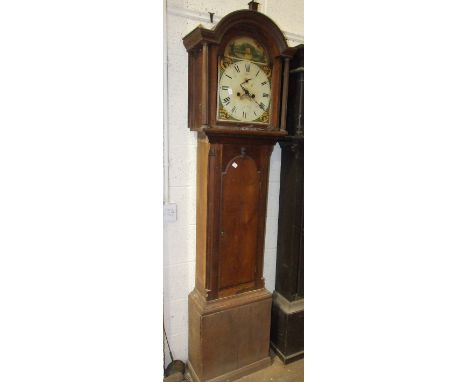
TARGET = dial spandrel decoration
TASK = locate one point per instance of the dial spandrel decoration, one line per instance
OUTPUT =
(244, 91)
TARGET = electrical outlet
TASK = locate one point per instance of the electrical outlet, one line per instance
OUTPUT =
(170, 212)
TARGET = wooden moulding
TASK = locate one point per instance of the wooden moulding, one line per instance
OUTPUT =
(284, 102)
(228, 337)
(203, 149)
(245, 19)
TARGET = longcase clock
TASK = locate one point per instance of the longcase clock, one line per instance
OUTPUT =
(287, 321)
(238, 75)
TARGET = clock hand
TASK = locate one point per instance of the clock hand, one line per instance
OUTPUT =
(253, 99)
(244, 89)
(250, 96)
(246, 92)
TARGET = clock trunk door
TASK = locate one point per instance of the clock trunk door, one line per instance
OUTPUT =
(241, 186)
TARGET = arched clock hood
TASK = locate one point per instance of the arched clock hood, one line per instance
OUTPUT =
(242, 20)
(205, 48)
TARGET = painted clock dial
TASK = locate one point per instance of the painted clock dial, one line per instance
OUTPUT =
(244, 83)
(244, 91)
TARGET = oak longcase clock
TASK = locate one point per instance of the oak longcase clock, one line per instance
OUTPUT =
(238, 75)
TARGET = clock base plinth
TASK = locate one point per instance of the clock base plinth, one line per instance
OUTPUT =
(228, 337)
(287, 328)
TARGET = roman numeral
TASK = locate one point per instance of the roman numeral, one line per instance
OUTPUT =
(237, 68)
(264, 82)
(244, 114)
(233, 109)
(255, 113)
(227, 75)
(262, 106)
(265, 94)
(257, 73)
(227, 100)
(225, 87)
(247, 67)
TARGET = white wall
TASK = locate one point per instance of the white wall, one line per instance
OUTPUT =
(179, 237)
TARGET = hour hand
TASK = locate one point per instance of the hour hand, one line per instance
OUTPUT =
(246, 92)
(250, 95)
(244, 89)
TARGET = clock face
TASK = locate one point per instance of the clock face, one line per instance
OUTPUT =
(244, 91)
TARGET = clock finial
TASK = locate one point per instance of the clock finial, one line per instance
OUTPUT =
(253, 5)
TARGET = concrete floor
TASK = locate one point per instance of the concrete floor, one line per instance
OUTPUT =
(277, 372)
